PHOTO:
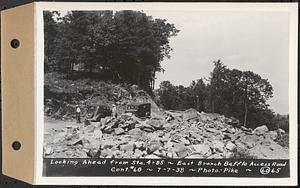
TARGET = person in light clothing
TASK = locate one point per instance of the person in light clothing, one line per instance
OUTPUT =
(114, 111)
(78, 111)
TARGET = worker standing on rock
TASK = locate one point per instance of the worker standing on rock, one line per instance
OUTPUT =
(78, 111)
(114, 111)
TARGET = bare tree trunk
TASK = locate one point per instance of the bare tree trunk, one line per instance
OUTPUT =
(69, 68)
(210, 101)
(72, 69)
(197, 97)
(245, 116)
(91, 68)
(138, 80)
(245, 107)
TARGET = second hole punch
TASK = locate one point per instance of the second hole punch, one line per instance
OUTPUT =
(15, 43)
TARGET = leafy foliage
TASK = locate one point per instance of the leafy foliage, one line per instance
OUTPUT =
(181, 98)
(283, 140)
(234, 93)
(282, 122)
(243, 94)
(125, 46)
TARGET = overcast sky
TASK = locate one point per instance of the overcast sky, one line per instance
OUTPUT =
(255, 41)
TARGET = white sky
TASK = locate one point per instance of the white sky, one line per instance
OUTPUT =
(255, 41)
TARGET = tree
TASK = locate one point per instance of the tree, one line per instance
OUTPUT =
(200, 95)
(182, 98)
(50, 34)
(239, 93)
(128, 44)
(221, 88)
(231, 92)
(256, 92)
(168, 95)
(143, 43)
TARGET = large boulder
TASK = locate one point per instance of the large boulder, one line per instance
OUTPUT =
(107, 153)
(140, 145)
(138, 153)
(90, 141)
(218, 146)
(232, 121)
(249, 140)
(185, 141)
(230, 130)
(202, 149)
(230, 146)
(136, 133)
(204, 117)
(269, 150)
(92, 145)
(261, 130)
(216, 156)
(154, 145)
(181, 150)
(127, 147)
(119, 131)
(228, 155)
(281, 131)
(156, 123)
(190, 114)
(108, 143)
(272, 135)
(245, 129)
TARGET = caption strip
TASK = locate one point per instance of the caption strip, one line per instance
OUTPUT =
(167, 167)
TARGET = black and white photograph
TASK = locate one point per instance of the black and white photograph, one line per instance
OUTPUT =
(170, 85)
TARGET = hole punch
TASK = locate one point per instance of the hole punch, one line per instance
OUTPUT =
(16, 145)
(15, 43)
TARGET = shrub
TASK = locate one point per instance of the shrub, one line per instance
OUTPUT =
(283, 140)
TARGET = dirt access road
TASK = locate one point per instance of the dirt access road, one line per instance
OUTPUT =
(51, 124)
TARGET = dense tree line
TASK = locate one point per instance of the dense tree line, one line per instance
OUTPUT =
(121, 46)
(234, 93)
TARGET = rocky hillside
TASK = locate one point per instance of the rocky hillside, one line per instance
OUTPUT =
(62, 95)
(169, 134)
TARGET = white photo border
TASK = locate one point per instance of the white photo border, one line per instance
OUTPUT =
(292, 8)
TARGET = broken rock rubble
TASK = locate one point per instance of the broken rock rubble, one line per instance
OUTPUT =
(175, 134)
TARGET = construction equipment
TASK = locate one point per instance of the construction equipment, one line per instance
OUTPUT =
(101, 112)
(140, 110)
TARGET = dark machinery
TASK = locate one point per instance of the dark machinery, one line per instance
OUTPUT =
(101, 112)
(140, 110)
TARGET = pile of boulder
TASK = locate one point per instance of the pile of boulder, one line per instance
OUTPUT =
(171, 134)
